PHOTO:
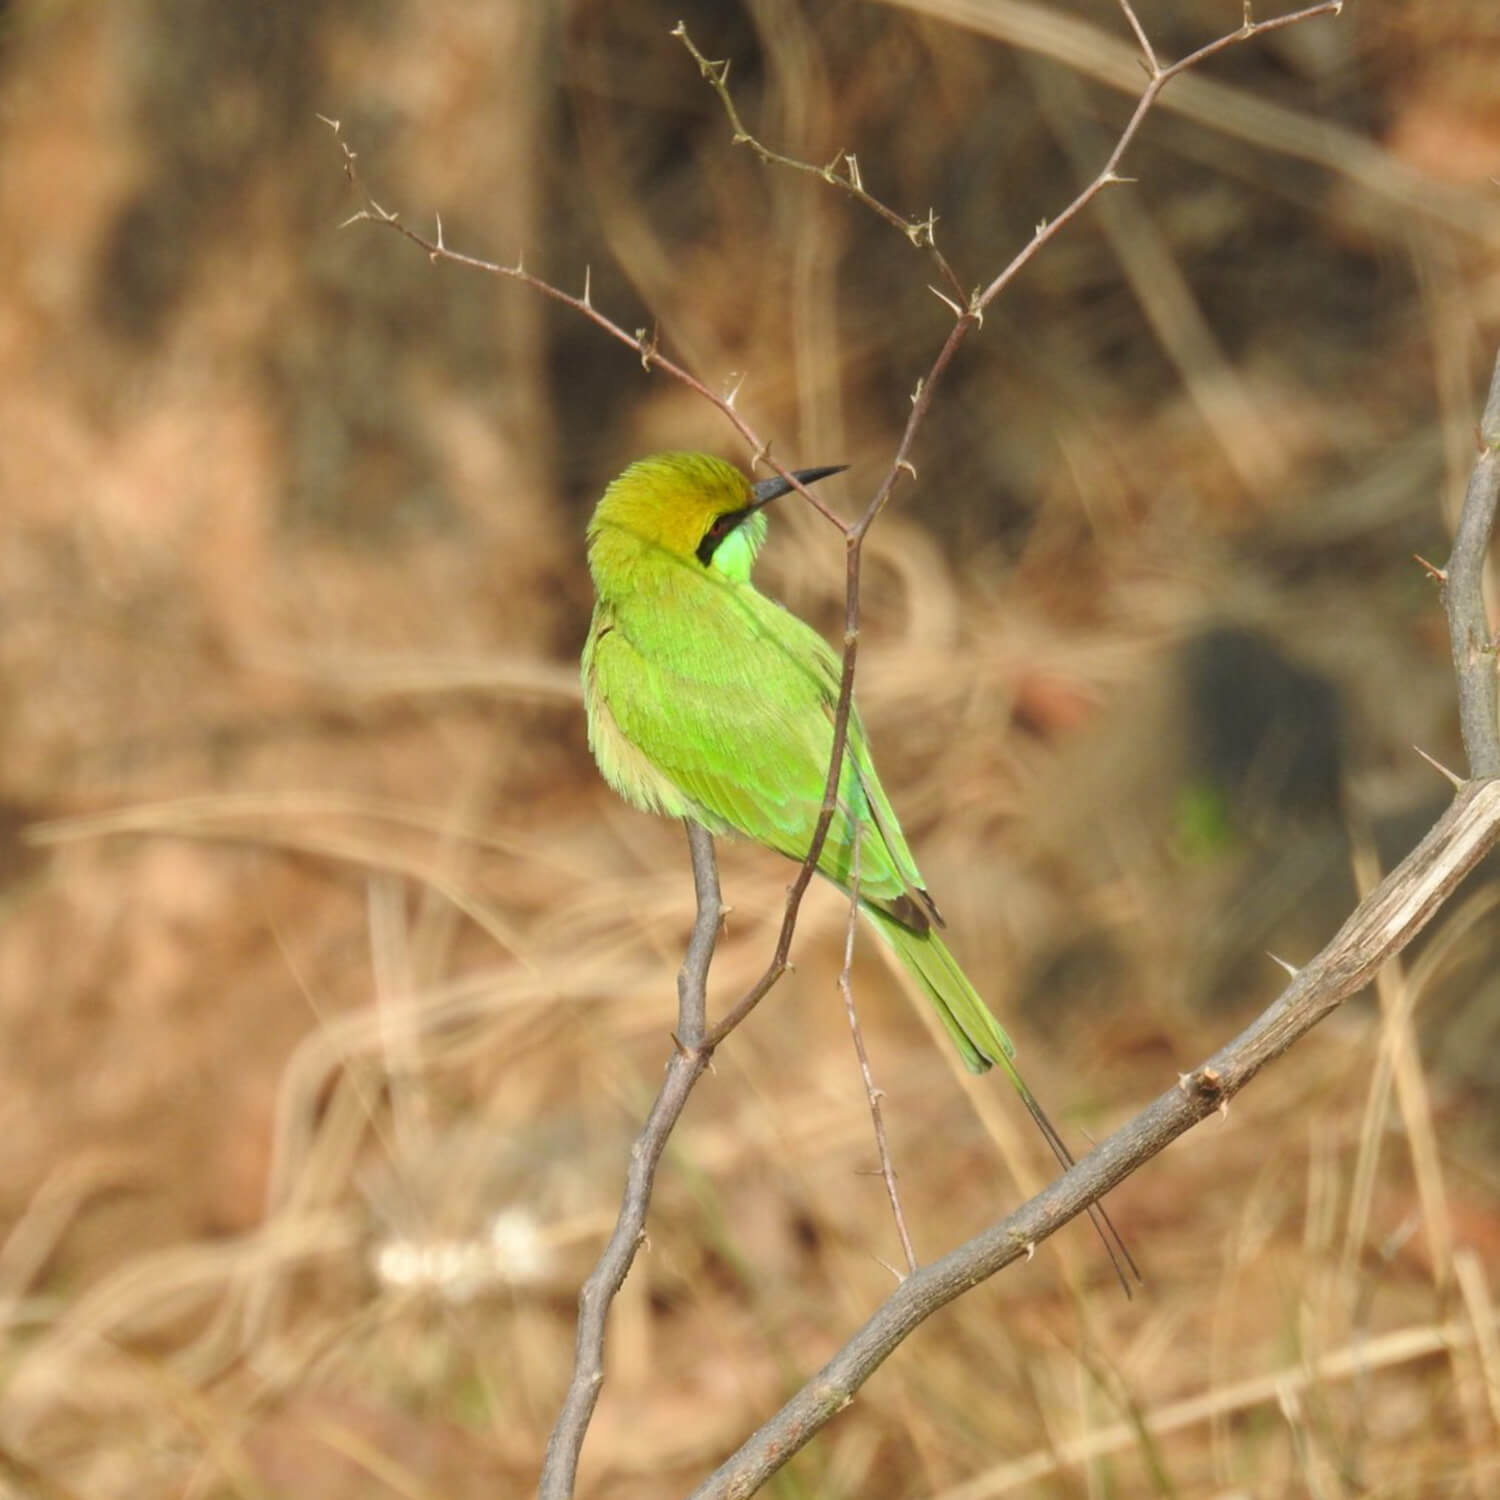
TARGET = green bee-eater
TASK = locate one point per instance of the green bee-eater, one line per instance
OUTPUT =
(708, 701)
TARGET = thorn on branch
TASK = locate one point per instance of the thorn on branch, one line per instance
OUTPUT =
(1454, 779)
(851, 166)
(946, 300)
(1437, 574)
(906, 463)
(1281, 963)
(916, 394)
(588, 282)
(1206, 1082)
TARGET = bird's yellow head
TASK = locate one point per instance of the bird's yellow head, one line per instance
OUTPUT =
(694, 507)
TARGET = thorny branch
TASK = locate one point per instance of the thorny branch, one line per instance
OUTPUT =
(1158, 77)
(1470, 823)
(842, 172)
(689, 1058)
(645, 343)
(1377, 930)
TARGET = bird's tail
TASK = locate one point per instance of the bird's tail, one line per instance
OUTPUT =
(982, 1042)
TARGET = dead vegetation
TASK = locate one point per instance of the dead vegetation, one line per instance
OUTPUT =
(333, 983)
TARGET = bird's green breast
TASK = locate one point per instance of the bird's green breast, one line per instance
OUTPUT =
(706, 699)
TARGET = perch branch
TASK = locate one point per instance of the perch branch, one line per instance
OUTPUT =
(1378, 929)
(689, 1059)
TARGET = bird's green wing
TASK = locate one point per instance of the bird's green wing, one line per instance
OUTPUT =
(731, 699)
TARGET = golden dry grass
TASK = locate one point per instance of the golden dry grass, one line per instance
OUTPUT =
(333, 985)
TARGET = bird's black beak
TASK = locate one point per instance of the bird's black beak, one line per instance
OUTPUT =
(769, 489)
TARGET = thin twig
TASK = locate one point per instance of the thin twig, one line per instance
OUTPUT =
(854, 551)
(646, 344)
(1158, 78)
(1148, 52)
(872, 1093)
(921, 232)
(689, 1059)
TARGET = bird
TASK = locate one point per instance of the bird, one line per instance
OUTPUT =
(706, 700)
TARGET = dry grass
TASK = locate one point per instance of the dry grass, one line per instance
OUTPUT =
(332, 983)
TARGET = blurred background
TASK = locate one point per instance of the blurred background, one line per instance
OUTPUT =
(334, 983)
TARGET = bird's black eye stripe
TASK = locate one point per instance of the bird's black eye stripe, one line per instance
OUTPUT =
(718, 529)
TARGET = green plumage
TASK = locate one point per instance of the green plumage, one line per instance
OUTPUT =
(707, 700)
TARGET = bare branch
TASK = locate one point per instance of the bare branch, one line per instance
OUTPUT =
(921, 232)
(1379, 928)
(872, 1093)
(643, 342)
(1148, 52)
(1158, 78)
(1463, 597)
(689, 1059)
